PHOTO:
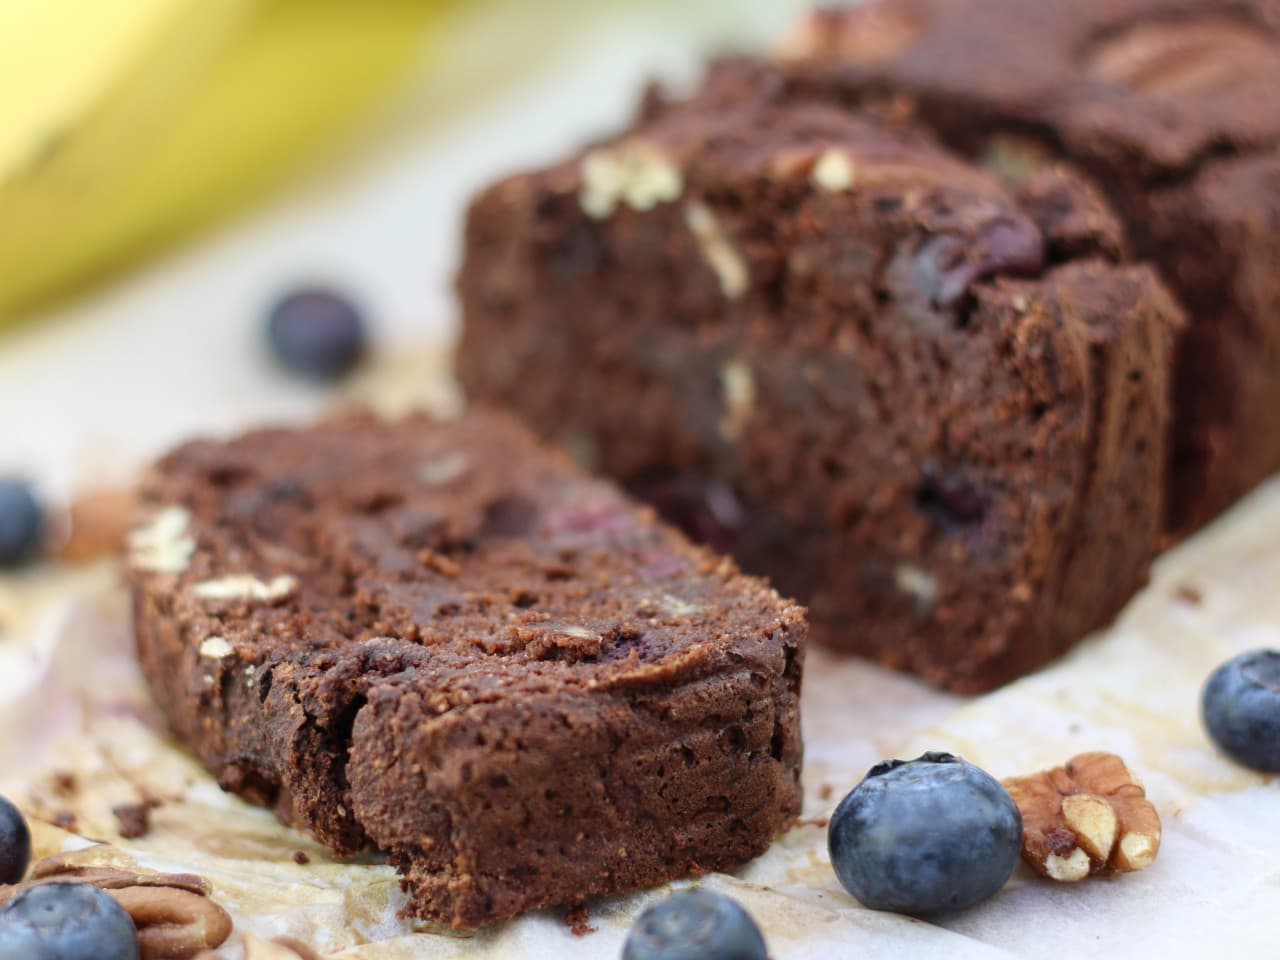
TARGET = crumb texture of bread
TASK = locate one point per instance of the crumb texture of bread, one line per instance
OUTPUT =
(443, 640)
(930, 404)
(1169, 107)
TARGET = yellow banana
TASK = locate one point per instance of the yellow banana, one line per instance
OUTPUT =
(125, 124)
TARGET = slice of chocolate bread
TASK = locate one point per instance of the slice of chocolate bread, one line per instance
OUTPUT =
(1170, 105)
(930, 407)
(440, 639)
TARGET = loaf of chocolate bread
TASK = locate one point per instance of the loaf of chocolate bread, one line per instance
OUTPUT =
(1170, 106)
(931, 406)
(442, 640)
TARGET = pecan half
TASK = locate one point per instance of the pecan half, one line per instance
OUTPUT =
(1086, 817)
(173, 924)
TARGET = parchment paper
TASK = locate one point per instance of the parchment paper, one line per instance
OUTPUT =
(73, 702)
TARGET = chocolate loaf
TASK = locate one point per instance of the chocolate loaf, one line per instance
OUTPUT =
(442, 640)
(931, 406)
(1169, 106)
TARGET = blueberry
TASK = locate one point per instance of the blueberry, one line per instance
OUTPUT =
(15, 843)
(952, 499)
(316, 333)
(66, 921)
(1241, 709)
(926, 835)
(704, 509)
(947, 266)
(21, 523)
(695, 925)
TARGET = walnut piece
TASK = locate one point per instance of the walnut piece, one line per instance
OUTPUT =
(245, 586)
(738, 389)
(718, 250)
(1089, 816)
(163, 545)
(634, 173)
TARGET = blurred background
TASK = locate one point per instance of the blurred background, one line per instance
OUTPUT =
(170, 168)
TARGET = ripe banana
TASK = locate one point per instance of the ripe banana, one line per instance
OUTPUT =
(126, 124)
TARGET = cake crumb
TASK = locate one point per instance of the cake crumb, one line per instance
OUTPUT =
(1189, 594)
(133, 819)
(300, 858)
(826, 791)
(63, 783)
(579, 921)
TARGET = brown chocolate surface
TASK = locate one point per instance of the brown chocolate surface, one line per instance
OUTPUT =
(1169, 105)
(932, 406)
(439, 639)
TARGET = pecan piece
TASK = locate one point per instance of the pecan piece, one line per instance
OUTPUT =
(97, 525)
(68, 866)
(173, 924)
(1086, 817)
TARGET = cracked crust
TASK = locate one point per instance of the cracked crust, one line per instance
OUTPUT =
(935, 414)
(520, 685)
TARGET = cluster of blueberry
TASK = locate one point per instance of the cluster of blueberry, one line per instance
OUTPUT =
(313, 333)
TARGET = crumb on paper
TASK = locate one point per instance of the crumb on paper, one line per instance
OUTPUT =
(1189, 594)
(63, 783)
(579, 920)
(133, 819)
